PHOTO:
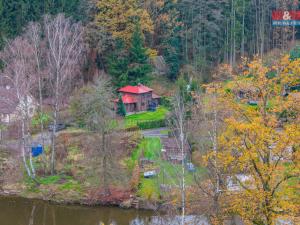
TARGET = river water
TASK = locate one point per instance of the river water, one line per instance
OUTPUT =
(20, 211)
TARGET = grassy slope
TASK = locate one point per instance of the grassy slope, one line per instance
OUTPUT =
(169, 174)
(148, 148)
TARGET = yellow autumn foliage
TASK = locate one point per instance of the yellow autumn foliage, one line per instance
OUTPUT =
(119, 18)
(257, 142)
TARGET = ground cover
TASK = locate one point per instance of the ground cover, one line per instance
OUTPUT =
(168, 174)
(159, 114)
(149, 148)
(78, 170)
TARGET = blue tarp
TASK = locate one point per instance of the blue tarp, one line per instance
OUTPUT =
(36, 150)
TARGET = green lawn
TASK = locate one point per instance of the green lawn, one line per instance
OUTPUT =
(170, 174)
(149, 189)
(165, 132)
(152, 148)
(148, 148)
(159, 114)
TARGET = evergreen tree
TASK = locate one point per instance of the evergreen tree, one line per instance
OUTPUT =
(139, 67)
(130, 67)
(170, 41)
(121, 110)
(15, 14)
(118, 64)
(173, 55)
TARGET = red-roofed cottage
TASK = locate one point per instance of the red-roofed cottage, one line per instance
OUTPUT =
(138, 98)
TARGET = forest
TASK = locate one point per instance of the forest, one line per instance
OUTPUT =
(187, 108)
(202, 34)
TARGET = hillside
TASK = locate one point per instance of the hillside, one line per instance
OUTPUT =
(188, 108)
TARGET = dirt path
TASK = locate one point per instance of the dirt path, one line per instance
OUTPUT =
(159, 132)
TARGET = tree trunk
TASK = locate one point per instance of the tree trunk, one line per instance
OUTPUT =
(53, 152)
(23, 147)
(56, 110)
(28, 135)
(41, 114)
(234, 39)
(104, 165)
(262, 38)
(243, 32)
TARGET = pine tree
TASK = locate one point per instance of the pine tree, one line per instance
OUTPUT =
(121, 110)
(173, 56)
(14, 15)
(139, 67)
(118, 65)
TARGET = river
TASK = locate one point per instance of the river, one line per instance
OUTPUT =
(20, 211)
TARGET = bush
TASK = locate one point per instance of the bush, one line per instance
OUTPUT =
(150, 124)
(121, 110)
(135, 179)
(295, 53)
(132, 128)
(166, 102)
(36, 122)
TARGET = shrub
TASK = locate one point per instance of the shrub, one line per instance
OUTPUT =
(150, 124)
(121, 110)
(132, 128)
(135, 179)
(36, 121)
(166, 102)
(76, 106)
(295, 53)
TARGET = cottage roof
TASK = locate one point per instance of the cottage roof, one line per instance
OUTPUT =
(155, 96)
(8, 100)
(139, 89)
(127, 99)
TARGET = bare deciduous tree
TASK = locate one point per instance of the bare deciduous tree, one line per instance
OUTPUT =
(179, 126)
(34, 35)
(99, 116)
(18, 58)
(65, 47)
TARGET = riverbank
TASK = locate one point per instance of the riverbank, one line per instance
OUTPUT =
(78, 178)
(120, 199)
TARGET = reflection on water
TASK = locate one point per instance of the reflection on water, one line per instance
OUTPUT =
(19, 211)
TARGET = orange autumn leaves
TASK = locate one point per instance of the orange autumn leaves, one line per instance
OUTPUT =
(119, 18)
(258, 141)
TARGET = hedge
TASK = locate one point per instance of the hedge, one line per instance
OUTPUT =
(132, 128)
(150, 124)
